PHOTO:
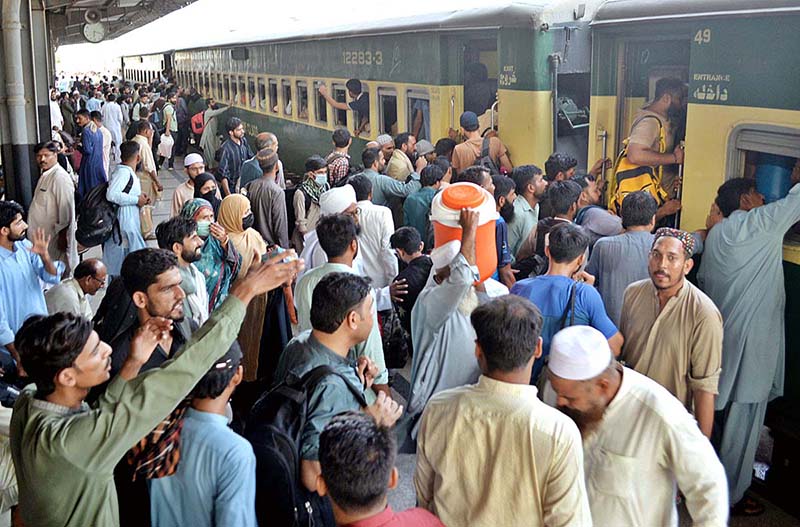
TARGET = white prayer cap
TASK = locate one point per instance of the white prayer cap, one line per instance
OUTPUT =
(191, 159)
(578, 353)
(336, 200)
(384, 139)
(494, 289)
(444, 255)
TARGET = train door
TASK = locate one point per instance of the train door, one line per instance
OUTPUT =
(480, 80)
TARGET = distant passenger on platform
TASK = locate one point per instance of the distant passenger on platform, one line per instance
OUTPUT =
(401, 164)
(209, 140)
(339, 159)
(235, 151)
(592, 216)
(466, 153)
(384, 187)
(112, 120)
(530, 187)
(92, 170)
(69, 106)
(268, 201)
(251, 171)
(108, 142)
(95, 103)
(359, 104)
(742, 272)
(357, 470)
(56, 117)
(193, 165)
(618, 261)
(640, 443)
(306, 200)
(72, 295)
(482, 445)
(375, 229)
(215, 482)
(147, 170)
(417, 206)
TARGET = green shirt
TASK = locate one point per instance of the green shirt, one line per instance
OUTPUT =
(520, 227)
(169, 111)
(64, 458)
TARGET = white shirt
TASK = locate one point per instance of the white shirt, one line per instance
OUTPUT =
(56, 117)
(646, 443)
(379, 260)
(69, 298)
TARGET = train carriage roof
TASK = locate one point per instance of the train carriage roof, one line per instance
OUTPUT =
(629, 11)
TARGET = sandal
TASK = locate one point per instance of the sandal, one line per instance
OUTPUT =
(748, 506)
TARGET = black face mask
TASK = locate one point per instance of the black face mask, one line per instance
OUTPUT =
(247, 221)
(209, 196)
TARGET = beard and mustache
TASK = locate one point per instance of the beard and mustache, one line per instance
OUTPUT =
(507, 211)
(587, 421)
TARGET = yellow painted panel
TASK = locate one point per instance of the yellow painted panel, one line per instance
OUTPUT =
(525, 125)
(708, 129)
(791, 252)
(603, 118)
(447, 105)
(632, 107)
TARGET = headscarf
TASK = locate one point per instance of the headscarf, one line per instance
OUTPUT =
(686, 238)
(248, 242)
(310, 188)
(220, 266)
(213, 200)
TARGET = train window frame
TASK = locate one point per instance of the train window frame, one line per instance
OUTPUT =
(252, 96)
(261, 94)
(418, 94)
(382, 92)
(301, 85)
(241, 91)
(367, 132)
(320, 105)
(761, 138)
(226, 88)
(206, 82)
(286, 88)
(218, 87)
(337, 88)
(274, 98)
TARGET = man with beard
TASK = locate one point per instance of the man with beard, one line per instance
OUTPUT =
(504, 196)
(92, 171)
(530, 188)
(591, 215)
(193, 165)
(673, 331)
(401, 164)
(22, 264)
(179, 235)
(639, 441)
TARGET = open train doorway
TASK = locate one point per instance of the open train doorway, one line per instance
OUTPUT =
(480, 80)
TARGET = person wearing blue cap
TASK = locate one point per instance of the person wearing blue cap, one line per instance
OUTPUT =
(471, 149)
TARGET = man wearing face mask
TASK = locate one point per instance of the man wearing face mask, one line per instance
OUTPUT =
(306, 199)
(180, 236)
(193, 165)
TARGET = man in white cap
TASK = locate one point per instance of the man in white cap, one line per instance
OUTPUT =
(441, 331)
(639, 441)
(482, 446)
(193, 165)
(385, 145)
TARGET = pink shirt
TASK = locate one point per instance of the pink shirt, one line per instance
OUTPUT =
(408, 518)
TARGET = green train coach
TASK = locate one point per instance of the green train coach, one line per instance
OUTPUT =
(535, 58)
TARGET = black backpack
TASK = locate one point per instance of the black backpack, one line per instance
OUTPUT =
(97, 217)
(273, 428)
(485, 160)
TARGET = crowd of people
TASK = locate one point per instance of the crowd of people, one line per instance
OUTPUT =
(582, 381)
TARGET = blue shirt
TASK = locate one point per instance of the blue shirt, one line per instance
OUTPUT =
(550, 293)
(417, 212)
(215, 483)
(94, 105)
(20, 293)
(501, 241)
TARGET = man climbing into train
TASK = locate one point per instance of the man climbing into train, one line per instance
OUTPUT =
(359, 104)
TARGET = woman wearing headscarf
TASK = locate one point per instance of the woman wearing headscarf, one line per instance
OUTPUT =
(220, 261)
(267, 326)
(306, 199)
(205, 187)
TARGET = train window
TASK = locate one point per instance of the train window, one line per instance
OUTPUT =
(418, 105)
(273, 96)
(262, 95)
(226, 89)
(321, 105)
(286, 89)
(206, 82)
(251, 93)
(218, 94)
(340, 95)
(387, 111)
(302, 100)
(241, 93)
(359, 117)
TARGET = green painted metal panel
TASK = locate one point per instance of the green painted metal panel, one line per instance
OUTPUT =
(746, 62)
(643, 57)
(604, 65)
(523, 59)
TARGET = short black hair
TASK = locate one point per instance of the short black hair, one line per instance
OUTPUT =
(267, 160)
(442, 162)
(502, 186)
(362, 185)
(84, 112)
(638, 209)
(336, 295)
(9, 211)
(315, 163)
(341, 137)
(401, 139)
(96, 116)
(472, 174)
(444, 147)
(668, 85)
(558, 162)
(407, 239)
(431, 175)
(369, 156)
(507, 329)
(48, 344)
(523, 175)
(128, 150)
(567, 242)
(356, 457)
(174, 230)
(561, 195)
(111, 97)
(52, 146)
(85, 268)
(353, 85)
(335, 232)
(730, 193)
(142, 126)
(219, 376)
(232, 124)
(582, 178)
(141, 268)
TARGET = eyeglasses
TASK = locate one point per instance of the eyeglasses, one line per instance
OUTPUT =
(101, 283)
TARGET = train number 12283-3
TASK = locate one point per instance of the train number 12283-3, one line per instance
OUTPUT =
(362, 58)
